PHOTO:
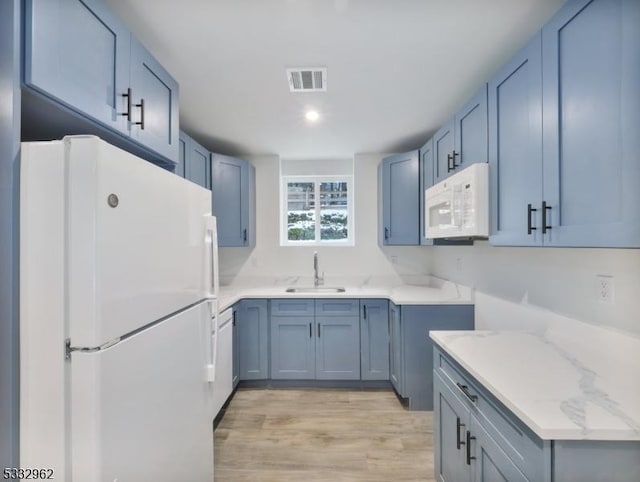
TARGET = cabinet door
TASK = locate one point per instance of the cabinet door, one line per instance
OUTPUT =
(400, 211)
(155, 103)
(183, 152)
(293, 347)
(395, 358)
(471, 135)
(426, 181)
(230, 185)
(337, 348)
(443, 147)
(417, 347)
(515, 149)
(236, 349)
(374, 339)
(79, 53)
(450, 421)
(199, 166)
(487, 460)
(591, 118)
(253, 340)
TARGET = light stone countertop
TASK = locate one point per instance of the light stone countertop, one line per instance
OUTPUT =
(577, 382)
(424, 290)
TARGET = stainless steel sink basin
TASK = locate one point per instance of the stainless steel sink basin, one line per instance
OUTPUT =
(313, 289)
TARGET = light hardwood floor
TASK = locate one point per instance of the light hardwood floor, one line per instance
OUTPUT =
(322, 435)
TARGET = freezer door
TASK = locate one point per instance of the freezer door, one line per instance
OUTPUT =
(139, 242)
(141, 410)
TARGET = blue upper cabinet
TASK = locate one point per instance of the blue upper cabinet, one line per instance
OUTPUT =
(198, 168)
(78, 52)
(400, 199)
(154, 103)
(515, 149)
(591, 85)
(471, 136)
(183, 146)
(233, 186)
(462, 141)
(443, 155)
(194, 161)
(426, 181)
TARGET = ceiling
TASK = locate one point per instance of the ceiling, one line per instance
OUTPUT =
(397, 69)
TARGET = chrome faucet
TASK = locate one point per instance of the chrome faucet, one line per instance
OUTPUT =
(317, 280)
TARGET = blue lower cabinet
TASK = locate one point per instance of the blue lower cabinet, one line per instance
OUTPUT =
(476, 437)
(489, 462)
(412, 349)
(337, 348)
(235, 348)
(450, 419)
(374, 339)
(293, 347)
(253, 337)
(396, 355)
(315, 339)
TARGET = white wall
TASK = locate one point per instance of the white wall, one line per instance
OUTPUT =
(366, 258)
(561, 280)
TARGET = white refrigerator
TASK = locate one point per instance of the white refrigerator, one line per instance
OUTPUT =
(118, 286)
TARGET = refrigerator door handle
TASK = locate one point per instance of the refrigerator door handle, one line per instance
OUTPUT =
(212, 281)
(211, 340)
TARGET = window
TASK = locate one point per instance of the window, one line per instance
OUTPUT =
(317, 210)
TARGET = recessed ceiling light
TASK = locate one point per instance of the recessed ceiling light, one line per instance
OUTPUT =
(312, 115)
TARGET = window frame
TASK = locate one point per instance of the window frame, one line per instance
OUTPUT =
(317, 180)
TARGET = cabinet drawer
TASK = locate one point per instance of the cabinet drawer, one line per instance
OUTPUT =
(511, 434)
(292, 307)
(337, 307)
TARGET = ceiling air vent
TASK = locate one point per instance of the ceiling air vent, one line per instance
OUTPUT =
(307, 79)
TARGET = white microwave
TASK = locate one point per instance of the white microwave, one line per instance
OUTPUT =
(458, 207)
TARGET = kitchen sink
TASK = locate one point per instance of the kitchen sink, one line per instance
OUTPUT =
(314, 289)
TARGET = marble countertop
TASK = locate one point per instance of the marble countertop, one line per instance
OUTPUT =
(408, 291)
(565, 383)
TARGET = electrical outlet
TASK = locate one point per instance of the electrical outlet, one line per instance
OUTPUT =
(605, 289)
(394, 260)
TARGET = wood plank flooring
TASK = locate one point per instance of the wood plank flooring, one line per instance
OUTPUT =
(322, 435)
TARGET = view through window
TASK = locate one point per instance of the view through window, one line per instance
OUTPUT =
(318, 210)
